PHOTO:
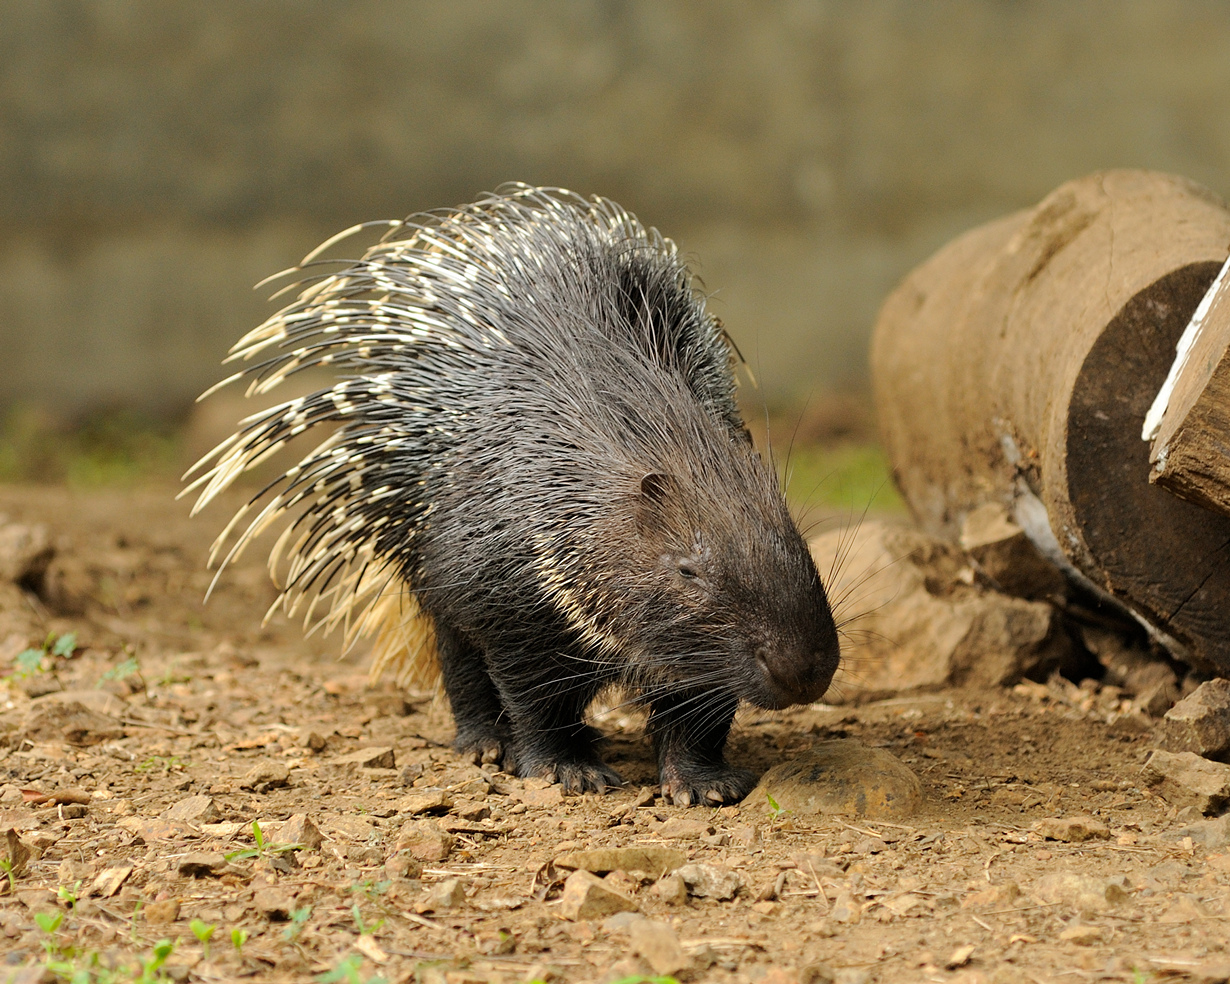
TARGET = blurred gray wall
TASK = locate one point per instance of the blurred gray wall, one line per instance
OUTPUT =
(158, 158)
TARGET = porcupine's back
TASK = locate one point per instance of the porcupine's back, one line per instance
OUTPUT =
(503, 365)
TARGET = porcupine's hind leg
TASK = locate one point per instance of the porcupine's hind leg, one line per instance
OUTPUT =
(483, 727)
(689, 733)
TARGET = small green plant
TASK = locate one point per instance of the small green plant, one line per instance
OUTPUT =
(32, 661)
(7, 867)
(774, 808)
(347, 972)
(364, 928)
(69, 895)
(642, 979)
(150, 971)
(261, 849)
(121, 671)
(49, 922)
(167, 763)
(202, 931)
(298, 918)
(238, 938)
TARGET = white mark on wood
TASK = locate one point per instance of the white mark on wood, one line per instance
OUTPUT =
(1153, 419)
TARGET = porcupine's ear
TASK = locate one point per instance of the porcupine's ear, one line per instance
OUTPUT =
(659, 492)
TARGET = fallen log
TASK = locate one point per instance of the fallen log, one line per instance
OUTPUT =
(1017, 365)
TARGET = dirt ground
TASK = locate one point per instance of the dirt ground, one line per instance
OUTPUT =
(195, 700)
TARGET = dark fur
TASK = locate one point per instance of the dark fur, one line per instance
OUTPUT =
(543, 444)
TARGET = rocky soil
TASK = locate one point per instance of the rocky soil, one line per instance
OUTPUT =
(141, 753)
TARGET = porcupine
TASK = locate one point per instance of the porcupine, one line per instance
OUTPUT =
(541, 482)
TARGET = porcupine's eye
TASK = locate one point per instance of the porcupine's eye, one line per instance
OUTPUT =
(688, 571)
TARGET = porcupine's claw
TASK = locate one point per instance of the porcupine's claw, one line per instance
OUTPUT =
(710, 786)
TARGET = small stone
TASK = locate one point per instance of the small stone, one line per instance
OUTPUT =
(846, 910)
(194, 809)
(424, 840)
(710, 881)
(1184, 909)
(403, 866)
(70, 721)
(1200, 722)
(684, 828)
(1186, 779)
(960, 956)
(389, 705)
(471, 810)
(1081, 935)
(166, 911)
(1072, 830)
(841, 777)
(586, 897)
(199, 864)
(1156, 688)
(431, 800)
(17, 853)
(656, 861)
(315, 742)
(1084, 893)
(446, 894)
(671, 889)
(657, 943)
(299, 829)
(275, 904)
(265, 776)
(109, 880)
(369, 758)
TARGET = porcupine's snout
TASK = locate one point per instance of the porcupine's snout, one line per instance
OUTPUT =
(794, 675)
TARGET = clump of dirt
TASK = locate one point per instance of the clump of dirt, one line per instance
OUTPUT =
(175, 766)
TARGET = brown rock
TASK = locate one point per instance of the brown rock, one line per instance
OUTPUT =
(587, 897)
(1084, 893)
(109, 880)
(657, 943)
(17, 853)
(1200, 722)
(1156, 688)
(547, 796)
(199, 864)
(369, 758)
(299, 829)
(710, 881)
(684, 828)
(929, 622)
(1007, 555)
(194, 809)
(1072, 829)
(671, 889)
(166, 911)
(448, 893)
(655, 861)
(72, 722)
(265, 776)
(841, 777)
(431, 800)
(1185, 779)
(25, 550)
(275, 904)
(424, 840)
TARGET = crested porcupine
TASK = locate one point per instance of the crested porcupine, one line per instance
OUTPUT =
(540, 481)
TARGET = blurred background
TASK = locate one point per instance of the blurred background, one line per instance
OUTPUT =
(158, 158)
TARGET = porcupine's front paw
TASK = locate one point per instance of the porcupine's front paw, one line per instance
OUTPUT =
(705, 783)
(575, 766)
(488, 746)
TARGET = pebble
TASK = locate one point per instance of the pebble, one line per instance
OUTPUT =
(549, 796)
(1084, 893)
(24, 548)
(424, 840)
(198, 864)
(1186, 779)
(671, 889)
(194, 809)
(710, 881)
(658, 945)
(586, 896)
(369, 758)
(431, 800)
(166, 911)
(299, 829)
(656, 861)
(275, 904)
(109, 880)
(1072, 830)
(1207, 833)
(265, 776)
(1200, 722)
(684, 828)
(840, 777)
(1082, 935)
(448, 893)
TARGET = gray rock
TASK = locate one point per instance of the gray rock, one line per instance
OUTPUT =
(1200, 722)
(1207, 833)
(369, 758)
(1186, 779)
(842, 777)
(710, 881)
(587, 897)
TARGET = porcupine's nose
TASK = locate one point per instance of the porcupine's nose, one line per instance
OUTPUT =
(797, 676)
